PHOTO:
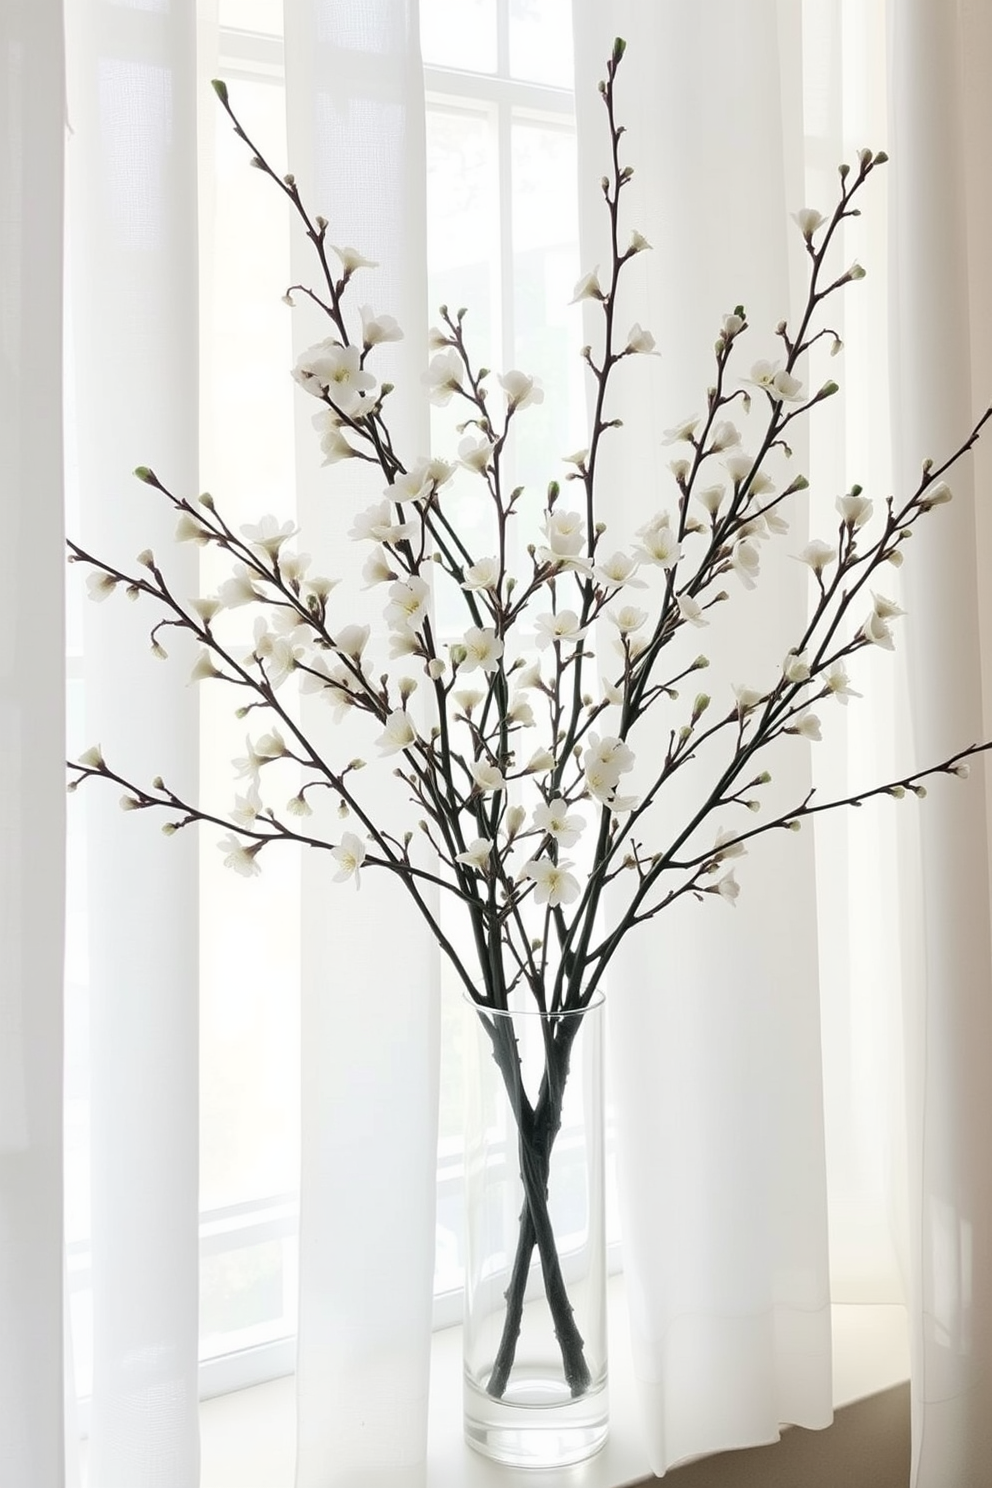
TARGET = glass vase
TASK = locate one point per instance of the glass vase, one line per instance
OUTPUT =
(535, 1248)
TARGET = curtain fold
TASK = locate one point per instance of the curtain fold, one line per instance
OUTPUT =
(714, 1015)
(354, 87)
(132, 387)
(31, 746)
(939, 202)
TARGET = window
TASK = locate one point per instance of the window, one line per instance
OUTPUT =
(503, 241)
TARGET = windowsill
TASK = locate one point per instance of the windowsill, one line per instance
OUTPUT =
(248, 1437)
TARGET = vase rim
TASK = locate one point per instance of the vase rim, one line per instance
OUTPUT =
(533, 1011)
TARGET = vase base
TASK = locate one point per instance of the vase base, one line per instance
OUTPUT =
(536, 1423)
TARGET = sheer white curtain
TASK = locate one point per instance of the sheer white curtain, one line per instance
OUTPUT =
(942, 215)
(714, 1020)
(355, 98)
(131, 389)
(716, 87)
(31, 745)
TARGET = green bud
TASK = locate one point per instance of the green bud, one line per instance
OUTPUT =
(220, 88)
(146, 475)
(619, 47)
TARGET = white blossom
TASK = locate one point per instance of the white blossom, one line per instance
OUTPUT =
(529, 677)
(540, 762)
(351, 260)
(628, 619)
(475, 454)
(398, 734)
(728, 888)
(279, 653)
(778, 383)
(748, 699)
(609, 751)
(238, 590)
(640, 341)
(404, 642)
(855, 510)
(335, 371)
(513, 821)
(885, 609)
(565, 533)
(350, 853)
(659, 544)
(333, 445)
(351, 640)
(555, 628)
(100, 585)
(807, 725)
(188, 529)
(376, 569)
(268, 536)
(588, 288)
(477, 855)
(878, 632)
(724, 436)
(681, 432)
(482, 575)
(240, 857)
(247, 808)
(617, 570)
(553, 885)
(837, 682)
(375, 524)
(746, 561)
(487, 777)
(809, 219)
(521, 391)
(420, 481)
(795, 667)
(552, 817)
(818, 554)
(468, 699)
(408, 604)
(936, 494)
(726, 847)
(205, 608)
(691, 610)
(444, 376)
(483, 649)
(710, 498)
(378, 328)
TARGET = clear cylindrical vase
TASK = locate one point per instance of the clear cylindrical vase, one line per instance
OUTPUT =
(535, 1245)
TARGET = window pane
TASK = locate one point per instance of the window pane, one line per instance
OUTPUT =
(249, 946)
(459, 33)
(547, 330)
(463, 243)
(541, 41)
(264, 16)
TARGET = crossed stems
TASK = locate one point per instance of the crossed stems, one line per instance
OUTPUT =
(537, 1125)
